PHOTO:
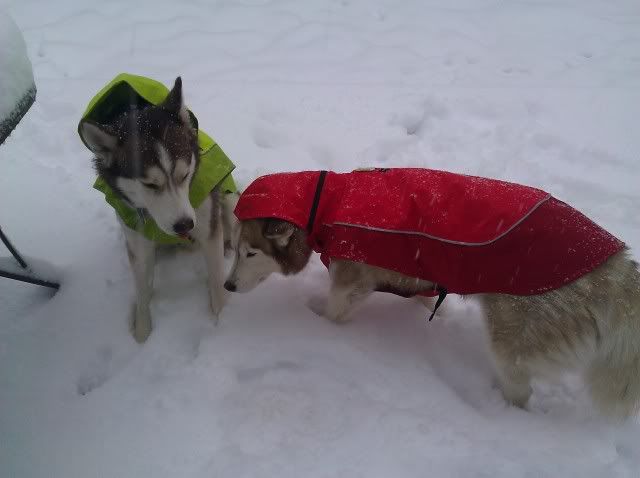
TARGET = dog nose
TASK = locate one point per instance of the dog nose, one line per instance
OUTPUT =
(230, 286)
(183, 226)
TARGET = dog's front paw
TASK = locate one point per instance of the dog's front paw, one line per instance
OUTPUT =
(140, 324)
(318, 305)
(217, 301)
(339, 319)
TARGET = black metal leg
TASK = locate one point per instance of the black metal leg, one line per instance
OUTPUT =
(12, 250)
(22, 277)
(29, 280)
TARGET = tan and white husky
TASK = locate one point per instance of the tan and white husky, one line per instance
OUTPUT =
(591, 325)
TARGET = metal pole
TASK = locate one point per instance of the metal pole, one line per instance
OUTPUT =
(23, 264)
(12, 250)
(29, 280)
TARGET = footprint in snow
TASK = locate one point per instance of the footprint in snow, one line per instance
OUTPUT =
(322, 156)
(416, 121)
(317, 305)
(265, 136)
(99, 371)
(255, 373)
(512, 70)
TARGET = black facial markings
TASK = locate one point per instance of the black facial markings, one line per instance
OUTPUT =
(152, 186)
(139, 131)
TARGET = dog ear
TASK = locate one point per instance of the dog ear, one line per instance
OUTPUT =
(174, 102)
(101, 139)
(279, 231)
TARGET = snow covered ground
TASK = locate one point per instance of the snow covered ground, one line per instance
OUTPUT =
(544, 93)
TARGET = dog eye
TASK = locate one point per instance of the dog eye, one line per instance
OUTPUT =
(153, 186)
(251, 254)
(185, 177)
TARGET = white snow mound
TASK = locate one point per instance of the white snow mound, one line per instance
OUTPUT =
(16, 77)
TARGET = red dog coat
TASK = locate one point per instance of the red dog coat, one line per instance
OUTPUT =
(466, 234)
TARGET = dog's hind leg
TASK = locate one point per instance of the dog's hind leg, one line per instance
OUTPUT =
(514, 380)
(506, 331)
(141, 254)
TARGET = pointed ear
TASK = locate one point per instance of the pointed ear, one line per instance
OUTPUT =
(102, 140)
(279, 231)
(174, 102)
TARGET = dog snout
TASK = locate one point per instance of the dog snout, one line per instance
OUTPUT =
(183, 226)
(230, 286)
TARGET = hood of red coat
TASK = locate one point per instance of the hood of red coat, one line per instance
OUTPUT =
(286, 196)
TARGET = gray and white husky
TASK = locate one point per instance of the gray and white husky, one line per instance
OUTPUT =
(590, 325)
(149, 156)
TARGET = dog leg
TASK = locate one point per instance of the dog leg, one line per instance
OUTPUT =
(512, 352)
(230, 224)
(340, 302)
(141, 254)
(209, 235)
(342, 299)
(348, 288)
(213, 250)
(515, 384)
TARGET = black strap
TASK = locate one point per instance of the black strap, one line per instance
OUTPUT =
(442, 293)
(316, 201)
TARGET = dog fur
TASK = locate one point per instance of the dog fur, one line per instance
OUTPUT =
(591, 325)
(149, 156)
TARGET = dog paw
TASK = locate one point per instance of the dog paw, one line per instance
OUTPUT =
(318, 305)
(516, 395)
(217, 301)
(98, 371)
(141, 329)
(340, 320)
(140, 324)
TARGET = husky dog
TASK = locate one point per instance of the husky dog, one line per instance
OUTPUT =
(148, 156)
(591, 324)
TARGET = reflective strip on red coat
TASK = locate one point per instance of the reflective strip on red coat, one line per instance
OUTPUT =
(466, 234)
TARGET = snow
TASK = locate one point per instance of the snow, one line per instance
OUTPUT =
(542, 93)
(16, 77)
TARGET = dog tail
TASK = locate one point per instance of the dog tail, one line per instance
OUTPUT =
(613, 375)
